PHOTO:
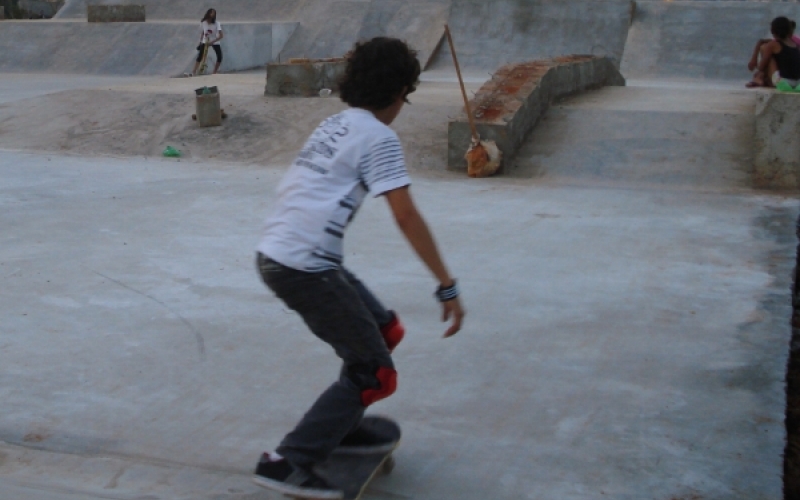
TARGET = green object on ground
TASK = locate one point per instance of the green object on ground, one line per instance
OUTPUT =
(171, 152)
(784, 86)
(206, 90)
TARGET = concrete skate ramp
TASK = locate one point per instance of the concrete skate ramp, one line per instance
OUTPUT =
(130, 48)
(682, 39)
(695, 39)
(228, 10)
(326, 29)
(490, 34)
(329, 29)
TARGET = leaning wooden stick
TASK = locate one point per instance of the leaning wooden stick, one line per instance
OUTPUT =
(483, 157)
(475, 137)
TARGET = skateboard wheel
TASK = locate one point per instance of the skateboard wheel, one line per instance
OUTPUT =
(388, 465)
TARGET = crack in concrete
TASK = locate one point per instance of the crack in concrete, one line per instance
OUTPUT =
(198, 336)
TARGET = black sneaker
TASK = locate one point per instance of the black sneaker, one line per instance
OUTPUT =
(371, 437)
(280, 475)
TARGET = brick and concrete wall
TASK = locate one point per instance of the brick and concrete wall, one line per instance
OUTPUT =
(508, 106)
(116, 13)
(777, 141)
(304, 77)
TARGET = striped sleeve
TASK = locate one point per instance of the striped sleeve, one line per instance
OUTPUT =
(383, 168)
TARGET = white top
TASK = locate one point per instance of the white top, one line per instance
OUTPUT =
(348, 155)
(209, 31)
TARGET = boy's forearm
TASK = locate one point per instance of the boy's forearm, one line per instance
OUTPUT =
(419, 236)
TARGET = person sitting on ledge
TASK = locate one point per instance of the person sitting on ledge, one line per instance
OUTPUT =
(779, 57)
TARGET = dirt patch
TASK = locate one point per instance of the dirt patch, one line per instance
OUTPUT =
(258, 128)
(33, 437)
(137, 124)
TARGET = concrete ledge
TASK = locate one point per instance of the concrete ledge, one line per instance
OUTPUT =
(777, 141)
(508, 106)
(115, 13)
(304, 77)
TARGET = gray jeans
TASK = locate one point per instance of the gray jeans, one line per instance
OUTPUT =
(341, 311)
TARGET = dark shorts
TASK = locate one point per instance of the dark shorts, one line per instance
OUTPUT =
(217, 50)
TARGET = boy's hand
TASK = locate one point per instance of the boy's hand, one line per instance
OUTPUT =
(452, 308)
(752, 64)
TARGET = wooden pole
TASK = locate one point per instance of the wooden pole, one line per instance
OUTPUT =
(475, 137)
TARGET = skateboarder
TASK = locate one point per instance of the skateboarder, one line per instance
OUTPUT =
(211, 33)
(300, 258)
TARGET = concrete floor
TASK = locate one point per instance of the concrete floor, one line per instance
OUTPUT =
(624, 339)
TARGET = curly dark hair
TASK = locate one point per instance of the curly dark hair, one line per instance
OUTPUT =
(781, 27)
(377, 72)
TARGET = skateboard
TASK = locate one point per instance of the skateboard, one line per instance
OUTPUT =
(204, 60)
(352, 471)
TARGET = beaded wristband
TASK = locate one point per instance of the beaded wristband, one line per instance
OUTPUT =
(446, 293)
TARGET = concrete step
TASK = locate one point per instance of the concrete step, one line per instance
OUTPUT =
(673, 138)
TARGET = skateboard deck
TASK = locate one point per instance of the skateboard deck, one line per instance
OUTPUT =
(204, 61)
(353, 472)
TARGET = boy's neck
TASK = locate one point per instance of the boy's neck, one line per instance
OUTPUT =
(387, 114)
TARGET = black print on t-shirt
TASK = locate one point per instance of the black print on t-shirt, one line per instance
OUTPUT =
(330, 246)
(313, 166)
(322, 143)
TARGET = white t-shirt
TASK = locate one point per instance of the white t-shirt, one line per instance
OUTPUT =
(347, 156)
(209, 31)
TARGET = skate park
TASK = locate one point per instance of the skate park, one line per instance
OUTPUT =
(628, 288)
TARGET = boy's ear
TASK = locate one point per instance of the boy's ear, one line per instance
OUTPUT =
(403, 94)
